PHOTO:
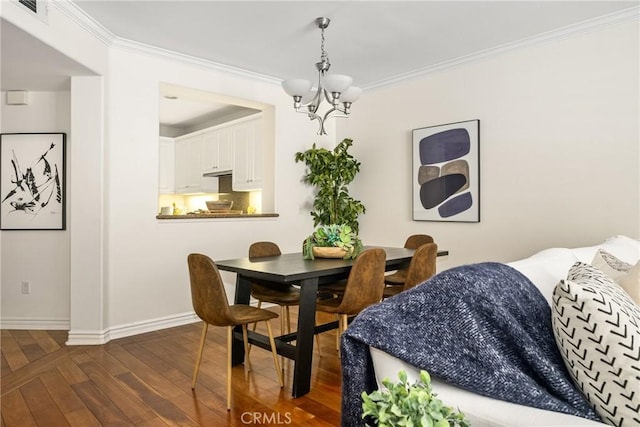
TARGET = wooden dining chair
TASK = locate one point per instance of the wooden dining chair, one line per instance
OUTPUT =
(280, 294)
(364, 287)
(211, 305)
(421, 267)
(414, 241)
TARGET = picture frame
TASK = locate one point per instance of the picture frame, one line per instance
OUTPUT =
(32, 181)
(446, 172)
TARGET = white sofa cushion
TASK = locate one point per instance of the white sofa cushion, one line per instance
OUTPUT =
(597, 329)
(546, 268)
(481, 411)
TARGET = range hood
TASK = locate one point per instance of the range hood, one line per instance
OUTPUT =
(217, 173)
(224, 178)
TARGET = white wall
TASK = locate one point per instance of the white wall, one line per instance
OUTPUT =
(146, 268)
(39, 257)
(559, 147)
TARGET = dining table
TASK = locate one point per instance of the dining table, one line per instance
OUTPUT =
(309, 275)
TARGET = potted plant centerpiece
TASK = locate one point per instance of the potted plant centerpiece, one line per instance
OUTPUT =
(332, 241)
(335, 212)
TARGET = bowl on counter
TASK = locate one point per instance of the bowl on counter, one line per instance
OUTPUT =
(219, 205)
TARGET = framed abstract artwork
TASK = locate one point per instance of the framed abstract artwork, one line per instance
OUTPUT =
(32, 181)
(446, 172)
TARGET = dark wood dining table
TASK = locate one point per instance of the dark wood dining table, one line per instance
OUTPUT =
(291, 268)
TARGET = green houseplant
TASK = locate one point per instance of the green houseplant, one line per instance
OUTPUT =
(331, 172)
(335, 213)
(403, 404)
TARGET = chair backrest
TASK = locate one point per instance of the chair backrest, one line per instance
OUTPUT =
(416, 240)
(422, 265)
(263, 249)
(365, 283)
(207, 291)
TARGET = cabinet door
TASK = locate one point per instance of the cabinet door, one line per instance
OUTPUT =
(225, 149)
(181, 166)
(256, 157)
(166, 171)
(218, 151)
(189, 164)
(247, 156)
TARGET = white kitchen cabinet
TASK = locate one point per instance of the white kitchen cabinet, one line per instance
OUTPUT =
(218, 151)
(188, 164)
(247, 156)
(166, 172)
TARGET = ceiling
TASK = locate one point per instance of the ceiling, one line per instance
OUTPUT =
(370, 40)
(376, 42)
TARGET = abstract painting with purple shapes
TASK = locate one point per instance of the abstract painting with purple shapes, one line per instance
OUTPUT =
(446, 172)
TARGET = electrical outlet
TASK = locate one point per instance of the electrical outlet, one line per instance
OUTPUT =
(26, 287)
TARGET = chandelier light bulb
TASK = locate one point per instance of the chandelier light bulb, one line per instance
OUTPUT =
(296, 87)
(336, 83)
(351, 94)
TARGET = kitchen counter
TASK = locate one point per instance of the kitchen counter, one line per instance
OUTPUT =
(218, 215)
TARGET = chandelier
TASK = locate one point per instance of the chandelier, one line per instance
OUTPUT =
(336, 89)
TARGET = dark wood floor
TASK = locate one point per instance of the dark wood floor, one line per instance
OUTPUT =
(145, 380)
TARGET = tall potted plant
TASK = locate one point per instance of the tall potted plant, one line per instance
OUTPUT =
(331, 172)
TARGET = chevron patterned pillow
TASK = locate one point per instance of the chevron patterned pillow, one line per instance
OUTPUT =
(597, 329)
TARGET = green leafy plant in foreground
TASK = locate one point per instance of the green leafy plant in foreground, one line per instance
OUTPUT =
(403, 404)
(333, 235)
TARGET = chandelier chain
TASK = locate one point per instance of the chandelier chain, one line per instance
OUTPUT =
(324, 58)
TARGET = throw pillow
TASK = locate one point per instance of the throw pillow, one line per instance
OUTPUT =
(597, 329)
(630, 282)
(624, 274)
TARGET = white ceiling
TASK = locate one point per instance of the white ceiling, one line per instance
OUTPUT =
(375, 42)
(370, 40)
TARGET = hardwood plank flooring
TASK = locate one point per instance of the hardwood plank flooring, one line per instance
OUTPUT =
(145, 381)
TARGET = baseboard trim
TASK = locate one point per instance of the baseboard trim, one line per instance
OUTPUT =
(35, 324)
(153, 325)
(102, 337)
(95, 337)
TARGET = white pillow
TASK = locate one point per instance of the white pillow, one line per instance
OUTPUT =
(624, 274)
(623, 247)
(630, 282)
(597, 329)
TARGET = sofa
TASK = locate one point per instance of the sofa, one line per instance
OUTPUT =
(540, 295)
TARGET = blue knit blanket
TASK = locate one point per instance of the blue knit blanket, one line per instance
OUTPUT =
(482, 327)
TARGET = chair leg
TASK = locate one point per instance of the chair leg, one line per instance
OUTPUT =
(282, 319)
(317, 336)
(275, 355)
(229, 344)
(338, 332)
(344, 322)
(203, 338)
(288, 321)
(256, 324)
(245, 340)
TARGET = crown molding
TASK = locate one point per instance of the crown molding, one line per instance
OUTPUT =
(77, 15)
(137, 47)
(584, 27)
(86, 22)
